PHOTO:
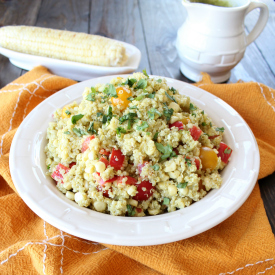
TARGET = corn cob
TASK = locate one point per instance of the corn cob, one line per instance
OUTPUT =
(66, 45)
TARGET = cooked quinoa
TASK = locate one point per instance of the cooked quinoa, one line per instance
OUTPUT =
(135, 147)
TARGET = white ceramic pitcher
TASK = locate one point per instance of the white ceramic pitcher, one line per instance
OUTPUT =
(213, 40)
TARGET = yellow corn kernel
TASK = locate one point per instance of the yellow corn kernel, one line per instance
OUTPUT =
(65, 45)
(65, 112)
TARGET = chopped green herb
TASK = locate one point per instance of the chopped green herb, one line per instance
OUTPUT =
(152, 95)
(210, 124)
(48, 166)
(193, 114)
(227, 151)
(79, 132)
(155, 136)
(129, 82)
(192, 107)
(120, 131)
(170, 97)
(167, 112)
(166, 201)
(112, 91)
(140, 97)
(220, 129)
(167, 151)
(205, 134)
(91, 96)
(142, 83)
(133, 107)
(182, 185)
(159, 80)
(202, 112)
(108, 117)
(76, 118)
(67, 112)
(152, 112)
(130, 98)
(99, 114)
(188, 161)
(143, 126)
(131, 119)
(148, 133)
(204, 124)
(91, 129)
(173, 90)
(67, 132)
(145, 73)
(155, 167)
(131, 210)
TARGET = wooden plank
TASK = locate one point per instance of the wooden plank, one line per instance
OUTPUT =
(265, 42)
(120, 20)
(15, 12)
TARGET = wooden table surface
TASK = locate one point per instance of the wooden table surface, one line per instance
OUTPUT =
(150, 25)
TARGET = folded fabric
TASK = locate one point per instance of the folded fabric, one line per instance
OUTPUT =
(242, 244)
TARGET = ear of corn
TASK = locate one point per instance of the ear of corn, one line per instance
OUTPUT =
(66, 45)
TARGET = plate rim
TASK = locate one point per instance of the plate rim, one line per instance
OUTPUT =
(116, 241)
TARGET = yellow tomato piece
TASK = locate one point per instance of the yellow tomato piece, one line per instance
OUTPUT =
(209, 158)
(64, 115)
(185, 120)
(121, 99)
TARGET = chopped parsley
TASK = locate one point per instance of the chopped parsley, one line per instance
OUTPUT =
(192, 107)
(91, 96)
(167, 151)
(152, 112)
(76, 118)
(108, 117)
(99, 114)
(120, 130)
(170, 97)
(91, 129)
(79, 132)
(204, 124)
(131, 210)
(110, 90)
(220, 129)
(67, 112)
(133, 107)
(48, 166)
(167, 112)
(202, 112)
(166, 201)
(173, 90)
(188, 161)
(227, 151)
(130, 98)
(155, 136)
(129, 82)
(152, 95)
(210, 124)
(130, 118)
(148, 133)
(145, 73)
(142, 83)
(67, 132)
(155, 167)
(182, 185)
(140, 97)
(159, 80)
(143, 126)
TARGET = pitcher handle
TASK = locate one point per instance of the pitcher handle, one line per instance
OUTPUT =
(262, 20)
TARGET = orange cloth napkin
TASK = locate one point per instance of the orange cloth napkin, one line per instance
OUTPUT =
(243, 244)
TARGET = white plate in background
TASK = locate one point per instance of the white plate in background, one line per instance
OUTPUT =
(74, 70)
(28, 168)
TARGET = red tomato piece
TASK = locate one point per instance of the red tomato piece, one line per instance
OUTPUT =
(212, 137)
(195, 132)
(104, 192)
(176, 151)
(86, 142)
(177, 124)
(99, 179)
(145, 194)
(104, 160)
(104, 152)
(198, 163)
(56, 175)
(139, 210)
(140, 166)
(72, 164)
(224, 152)
(130, 180)
(117, 159)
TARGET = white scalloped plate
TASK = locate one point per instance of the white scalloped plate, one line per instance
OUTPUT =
(27, 165)
(74, 70)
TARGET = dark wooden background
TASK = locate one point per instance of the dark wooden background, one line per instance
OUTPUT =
(150, 25)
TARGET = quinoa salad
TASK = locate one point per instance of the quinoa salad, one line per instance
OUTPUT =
(135, 147)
